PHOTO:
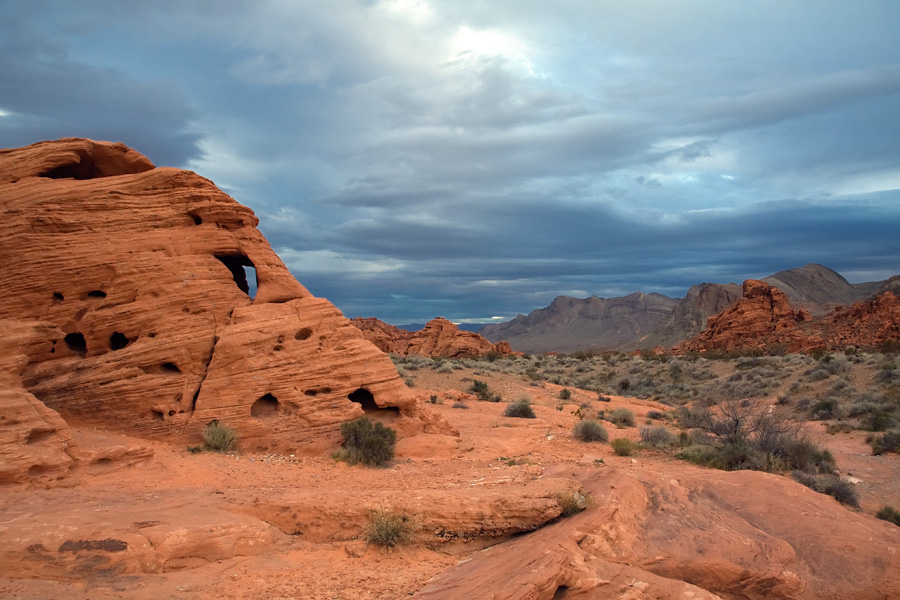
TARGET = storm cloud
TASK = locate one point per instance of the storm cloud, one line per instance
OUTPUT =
(414, 158)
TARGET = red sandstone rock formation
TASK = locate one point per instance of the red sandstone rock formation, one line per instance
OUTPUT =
(762, 317)
(439, 337)
(134, 280)
(764, 320)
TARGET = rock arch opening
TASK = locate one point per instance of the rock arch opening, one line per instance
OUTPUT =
(117, 341)
(81, 168)
(76, 343)
(366, 400)
(266, 406)
(239, 264)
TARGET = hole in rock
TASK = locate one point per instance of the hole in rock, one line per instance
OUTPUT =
(303, 334)
(561, 592)
(82, 168)
(157, 414)
(277, 348)
(238, 265)
(76, 343)
(36, 435)
(266, 406)
(198, 220)
(310, 392)
(97, 294)
(194, 399)
(58, 297)
(364, 398)
(171, 413)
(152, 334)
(170, 367)
(117, 341)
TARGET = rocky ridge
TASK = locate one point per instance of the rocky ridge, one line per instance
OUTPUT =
(572, 324)
(764, 320)
(439, 337)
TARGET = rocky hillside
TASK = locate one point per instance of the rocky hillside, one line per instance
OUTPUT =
(572, 324)
(439, 337)
(763, 319)
(127, 285)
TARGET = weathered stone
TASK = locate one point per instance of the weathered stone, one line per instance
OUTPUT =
(141, 274)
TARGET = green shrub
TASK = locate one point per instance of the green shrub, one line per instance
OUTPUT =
(840, 489)
(621, 417)
(572, 503)
(589, 430)
(565, 394)
(888, 442)
(483, 391)
(521, 409)
(623, 446)
(657, 436)
(366, 443)
(219, 437)
(388, 529)
(889, 514)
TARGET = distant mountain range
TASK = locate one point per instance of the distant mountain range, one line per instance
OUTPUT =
(649, 320)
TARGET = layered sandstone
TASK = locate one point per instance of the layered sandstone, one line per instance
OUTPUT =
(762, 319)
(439, 337)
(143, 280)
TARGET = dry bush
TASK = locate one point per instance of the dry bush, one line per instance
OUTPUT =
(219, 437)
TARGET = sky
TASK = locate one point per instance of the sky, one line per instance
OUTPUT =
(473, 160)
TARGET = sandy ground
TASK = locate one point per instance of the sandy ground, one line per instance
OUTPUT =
(492, 453)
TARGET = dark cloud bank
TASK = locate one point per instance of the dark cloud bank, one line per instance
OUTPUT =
(410, 159)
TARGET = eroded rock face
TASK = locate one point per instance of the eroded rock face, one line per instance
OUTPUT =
(143, 276)
(35, 442)
(764, 320)
(761, 319)
(439, 337)
(687, 535)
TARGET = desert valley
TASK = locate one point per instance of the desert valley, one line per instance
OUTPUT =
(740, 442)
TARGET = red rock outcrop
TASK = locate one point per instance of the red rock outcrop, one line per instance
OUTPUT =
(688, 535)
(439, 337)
(761, 319)
(865, 324)
(764, 320)
(139, 278)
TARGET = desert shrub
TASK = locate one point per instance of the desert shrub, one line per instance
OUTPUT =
(368, 443)
(219, 437)
(460, 404)
(572, 503)
(840, 489)
(521, 409)
(388, 529)
(703, 455)
(589, 430)
(657, 436)
(888, 513)
(887, 442)
(623, 446)
(482, 390)
(602, 398)
(621, 417)
(826, 408)
(879, 419)
(655, 414)
(565, 394)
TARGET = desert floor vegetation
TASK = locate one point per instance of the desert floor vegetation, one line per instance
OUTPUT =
(367, 443)
(219, 437)
(732, 412)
